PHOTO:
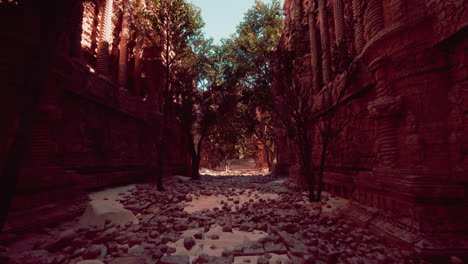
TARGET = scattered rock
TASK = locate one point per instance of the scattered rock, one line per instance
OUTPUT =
(95, 251)
(214, 237)
(189, 242)
(198, 235)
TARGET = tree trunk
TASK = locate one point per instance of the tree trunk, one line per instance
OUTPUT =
(165, 113)
(194, 157)
(159, 180)
(306, 168)
(196, 167)
(323, 158)
(267, 153)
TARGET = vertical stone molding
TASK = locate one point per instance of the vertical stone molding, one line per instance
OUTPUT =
(325, 41)
(105, 38)
(373, 18)
(77, 30)
(359, 41)
(385, 109)
(124, 35)
(314, 48)
(137, 69)
(338, 16)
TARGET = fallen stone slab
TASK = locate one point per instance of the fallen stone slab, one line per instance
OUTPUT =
(60, 241)
(175, 260)
(97, 212)
(90, 261)
(277, 248)
(31, 257)
(253, 250)
(128, 260)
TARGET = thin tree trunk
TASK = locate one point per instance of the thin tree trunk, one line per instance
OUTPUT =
(196, 168)
(323, 158)
(165, 113)
(194, 157)
(267, 153)
(306, 168)
(164, 127)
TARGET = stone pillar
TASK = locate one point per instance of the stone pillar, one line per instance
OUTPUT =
(102, 66)
(325, 41)
(359, 41)
(314, 48)
(385, 110)
(124, 35)
(338, 15)
(77, 30)
(373, 18)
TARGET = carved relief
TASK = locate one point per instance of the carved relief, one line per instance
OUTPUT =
(451, 15)
(457, 137)
(414, 142)
(385, 106)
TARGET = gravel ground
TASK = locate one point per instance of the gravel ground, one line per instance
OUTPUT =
(223, 219)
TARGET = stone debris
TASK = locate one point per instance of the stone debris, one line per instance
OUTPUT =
(100, 212)
(189, 242)
(269, 224)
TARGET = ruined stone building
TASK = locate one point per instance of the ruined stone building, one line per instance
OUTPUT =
(404, 164)
(81, 106)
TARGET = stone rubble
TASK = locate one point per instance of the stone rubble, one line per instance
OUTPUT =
(269, 225)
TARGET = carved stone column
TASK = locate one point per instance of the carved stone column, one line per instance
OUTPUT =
(385, 109)
(314, 48)
(102, 66)
(338, 15)
(373, 18)
(359, 41)
(325, 41)
(124, 35)
(77, 29)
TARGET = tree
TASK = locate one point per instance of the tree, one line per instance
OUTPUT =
(335, 117)
(299, 108)
(196, 97)
(178, 25)
(294, 104)
(247, 71)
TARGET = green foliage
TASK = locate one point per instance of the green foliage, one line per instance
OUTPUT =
(246, 74)
(218, 88)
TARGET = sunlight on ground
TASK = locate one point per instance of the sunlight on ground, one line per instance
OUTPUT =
(112, 194)
(256, 172)
(215, 247)
(204, 202)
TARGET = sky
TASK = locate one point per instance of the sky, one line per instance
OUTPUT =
(222, 16)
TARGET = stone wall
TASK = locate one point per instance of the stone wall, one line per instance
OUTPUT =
(81, 113)
(404, 162)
